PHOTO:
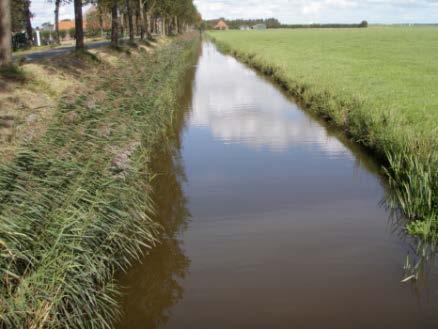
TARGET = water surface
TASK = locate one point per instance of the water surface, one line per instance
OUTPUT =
(272, 220)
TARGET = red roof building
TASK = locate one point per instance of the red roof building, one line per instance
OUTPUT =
(221, 25)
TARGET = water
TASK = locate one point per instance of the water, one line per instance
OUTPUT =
(272, 221)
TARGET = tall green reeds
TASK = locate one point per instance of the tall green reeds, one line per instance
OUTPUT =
(413, 187)
(76, 207)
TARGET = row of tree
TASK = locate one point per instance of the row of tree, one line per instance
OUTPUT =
(362, 24)
(273, 23)
(235, 24)
(151, 16)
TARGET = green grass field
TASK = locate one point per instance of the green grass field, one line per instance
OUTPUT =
(380, 84)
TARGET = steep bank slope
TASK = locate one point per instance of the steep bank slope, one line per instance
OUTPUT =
(75, 204)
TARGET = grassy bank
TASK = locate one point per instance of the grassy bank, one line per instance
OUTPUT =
(75, 204)
(378, 84)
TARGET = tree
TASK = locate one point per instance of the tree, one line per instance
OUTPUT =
(130, 22)
(58, 4)
(98, 20)
(79, 25)
(21, 18)
(112, 7)
(114, 24)
(142, 20)
(27, 14)
(149, 6)
(5, 33)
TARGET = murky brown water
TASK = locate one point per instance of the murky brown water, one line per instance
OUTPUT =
(272, 221)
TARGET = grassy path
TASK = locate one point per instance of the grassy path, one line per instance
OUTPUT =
(378, 84)
(75, 206)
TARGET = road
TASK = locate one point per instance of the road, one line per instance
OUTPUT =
(58, 51)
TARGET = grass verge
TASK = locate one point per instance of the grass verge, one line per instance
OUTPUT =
(13, 73)
(372, 83)
(76, 205)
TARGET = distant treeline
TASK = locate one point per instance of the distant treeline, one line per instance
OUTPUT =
(409, 24)
(273, 23)
(235, 24)
(321, 26)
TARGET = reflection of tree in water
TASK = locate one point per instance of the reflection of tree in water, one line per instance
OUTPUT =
(152, 286)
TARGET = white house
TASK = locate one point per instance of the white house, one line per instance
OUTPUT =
(259, 27)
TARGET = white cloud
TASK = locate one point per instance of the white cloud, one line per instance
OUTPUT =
(253, 113)
(324, 11)
(311, 8)
(292, 11)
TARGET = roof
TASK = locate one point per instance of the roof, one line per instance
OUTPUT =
(221, 25)
(66, 24)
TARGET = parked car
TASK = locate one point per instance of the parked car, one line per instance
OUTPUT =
(19, 41)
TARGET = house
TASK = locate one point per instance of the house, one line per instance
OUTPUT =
(66, 29)
(66, 25)
(221, 25)
(90, 22)
(69, 24)
(259, 27)
(244, 28)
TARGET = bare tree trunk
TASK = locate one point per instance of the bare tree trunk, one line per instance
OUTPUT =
(29, 31)
(114, 25)
(136, 24)
(169, 28)
(122, 24)
(99, 8)
(57, 35)
(79, 26)
(130, 22)
(142, 21)
(5, 33)
(148, 26)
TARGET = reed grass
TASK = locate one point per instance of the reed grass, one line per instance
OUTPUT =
(12, 72)
(76, 206)
(374, 84)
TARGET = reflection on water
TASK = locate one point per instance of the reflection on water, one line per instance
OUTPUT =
(264, 118)
(152, 286)
(286, 228)
(421, 255)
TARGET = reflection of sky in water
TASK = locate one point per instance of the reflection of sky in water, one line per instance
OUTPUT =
(239, 107)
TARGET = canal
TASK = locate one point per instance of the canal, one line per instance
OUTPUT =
(272, 220)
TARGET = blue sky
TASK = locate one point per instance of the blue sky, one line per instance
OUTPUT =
(296, 11)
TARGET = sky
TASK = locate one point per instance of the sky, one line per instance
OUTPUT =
(43, 11)
(294, 11)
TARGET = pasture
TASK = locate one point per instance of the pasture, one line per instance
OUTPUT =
(379, 84)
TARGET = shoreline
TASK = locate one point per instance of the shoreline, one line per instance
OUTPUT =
(412, 173)
(76, 202)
